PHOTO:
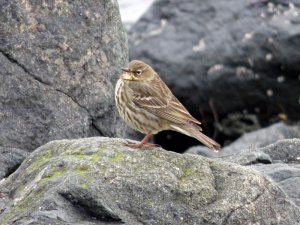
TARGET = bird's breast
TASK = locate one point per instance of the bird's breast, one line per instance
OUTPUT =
(136, 117)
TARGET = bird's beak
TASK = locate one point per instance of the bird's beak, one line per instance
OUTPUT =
(127, 75)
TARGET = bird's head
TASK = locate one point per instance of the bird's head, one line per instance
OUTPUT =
(137, 71)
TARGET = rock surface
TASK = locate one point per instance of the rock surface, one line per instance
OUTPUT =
(10, 160)
(253, 140)
(286, 176)
(263, 137)
(59, 61)
(286, 168)
(241, 56)
(100, 181)
(274, 151)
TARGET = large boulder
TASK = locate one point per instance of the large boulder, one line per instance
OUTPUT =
(100, 181)
(285, 170)
(286, 176)
(10, 160)
(280, 161)
(237, 59)
(59, 61)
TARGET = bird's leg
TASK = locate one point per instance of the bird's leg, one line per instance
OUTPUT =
(143, 143)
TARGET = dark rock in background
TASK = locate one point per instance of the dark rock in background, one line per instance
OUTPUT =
(10, 160)
(59, 61)
(263, 137)
(101, 181)
(225, 58)
(252, 140)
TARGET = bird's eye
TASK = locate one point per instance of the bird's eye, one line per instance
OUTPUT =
(138, 72)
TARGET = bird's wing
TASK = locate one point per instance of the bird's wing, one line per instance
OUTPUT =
(159, 100)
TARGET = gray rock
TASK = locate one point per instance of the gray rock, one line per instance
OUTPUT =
(10, 159)
(253, 140)
(239, 55)
(247, 158)
(101, 181)
(202, 150)
(263, 137)
(287, 151)
(286, 176)
(59, 62)
(242, 158)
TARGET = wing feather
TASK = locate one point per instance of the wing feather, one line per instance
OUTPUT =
(159, 100)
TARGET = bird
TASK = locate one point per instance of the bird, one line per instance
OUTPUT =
(147, 105)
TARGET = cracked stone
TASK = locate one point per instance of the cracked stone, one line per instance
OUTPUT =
(58, 68)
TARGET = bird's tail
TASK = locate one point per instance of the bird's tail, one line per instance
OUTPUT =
(193, 130)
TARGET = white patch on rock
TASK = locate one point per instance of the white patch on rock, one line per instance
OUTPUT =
(270, 40)
(270, 92)
(271, 7)
(241, 70)
(163, 23)
(250, 61)
(215, 68)
(248, 36)
(280, 79)
(200, 46)
(155, 32)
(269, 57)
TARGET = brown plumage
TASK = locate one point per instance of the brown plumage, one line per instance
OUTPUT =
(147, 105)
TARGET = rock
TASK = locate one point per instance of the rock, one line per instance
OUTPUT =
(280, 160)
(242, 158)
(247, 158)
(202, 150)
(99, 180)
(286, 176)
(287, 151)
(263, 137)
(234, 60)
(59, 62)
(255, 139)
(10, 159)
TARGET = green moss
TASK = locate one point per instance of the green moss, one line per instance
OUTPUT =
(95, 157)
(84, 185)
(81, 170)
(117, 157)
(79, 156)
(86, 182)
(55, 173)
(82, 156)
(18, 209)
(40, 160)
(101, 148)
(186, 173)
